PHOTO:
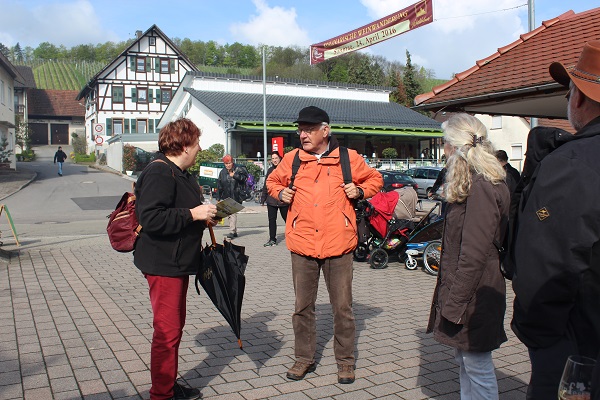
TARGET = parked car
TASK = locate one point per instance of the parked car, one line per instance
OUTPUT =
(425, 178)
(396, 179)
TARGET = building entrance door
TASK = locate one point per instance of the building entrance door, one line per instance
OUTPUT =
(60, 133)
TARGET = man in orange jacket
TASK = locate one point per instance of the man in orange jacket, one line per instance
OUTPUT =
(321, 235)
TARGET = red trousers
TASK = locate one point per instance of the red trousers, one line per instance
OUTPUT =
(167, 295)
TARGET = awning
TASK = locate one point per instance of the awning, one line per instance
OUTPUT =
(256, 127)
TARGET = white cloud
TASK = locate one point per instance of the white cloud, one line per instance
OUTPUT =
(275, 26)
(463, 31)
(64, 23)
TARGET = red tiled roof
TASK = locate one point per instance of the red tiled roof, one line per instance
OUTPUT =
(59, 103)
(523, 63)
(557, 123)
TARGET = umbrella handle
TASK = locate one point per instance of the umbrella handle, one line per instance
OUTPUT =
(212, 236)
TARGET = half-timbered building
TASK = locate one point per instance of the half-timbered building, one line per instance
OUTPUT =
(127, 98)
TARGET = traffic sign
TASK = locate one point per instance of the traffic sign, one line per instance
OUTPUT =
(99, 129)
(99, 140)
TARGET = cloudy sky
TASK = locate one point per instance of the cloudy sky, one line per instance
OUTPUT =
(463, 31)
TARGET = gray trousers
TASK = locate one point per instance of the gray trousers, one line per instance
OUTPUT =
(338, 278)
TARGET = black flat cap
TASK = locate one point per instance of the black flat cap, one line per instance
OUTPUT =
(312, 115)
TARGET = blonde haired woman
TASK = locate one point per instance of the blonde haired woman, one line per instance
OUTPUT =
(470, 297)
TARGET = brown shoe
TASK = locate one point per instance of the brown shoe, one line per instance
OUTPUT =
(345, 373)
(299, 370)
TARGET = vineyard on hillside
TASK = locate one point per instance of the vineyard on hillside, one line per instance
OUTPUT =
(62, 74)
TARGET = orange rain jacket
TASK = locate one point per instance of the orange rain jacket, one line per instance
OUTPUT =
(321, 220)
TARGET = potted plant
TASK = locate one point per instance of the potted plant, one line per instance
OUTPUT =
(129, 159)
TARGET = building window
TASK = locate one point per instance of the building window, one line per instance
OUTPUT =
(165, 96)
(141, 64)
(117, 94)
(164, 66)
(141, 126)
(152, 41)
(117, 126)
(496, 122)
(142, 94)
(516, 152)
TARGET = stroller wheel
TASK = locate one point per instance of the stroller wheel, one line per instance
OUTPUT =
(361, 252)
(411, 263)
(378, 258)
(431, 257)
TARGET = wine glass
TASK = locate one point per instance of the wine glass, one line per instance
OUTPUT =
(576, 380)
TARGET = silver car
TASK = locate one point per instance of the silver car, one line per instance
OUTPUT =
(425, 178)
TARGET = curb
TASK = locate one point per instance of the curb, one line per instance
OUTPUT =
(21, 187)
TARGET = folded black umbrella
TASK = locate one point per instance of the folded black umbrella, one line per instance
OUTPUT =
(222, 278)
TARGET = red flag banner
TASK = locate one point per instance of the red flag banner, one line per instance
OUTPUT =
(395, 24)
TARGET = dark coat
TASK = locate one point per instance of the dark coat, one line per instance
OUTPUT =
(228, 186)
(512, 177)
(60, 156)
(271, 201)
(470, 297)
(557, 247)
(170, 242)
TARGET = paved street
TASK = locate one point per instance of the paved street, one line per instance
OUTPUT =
(76, 319)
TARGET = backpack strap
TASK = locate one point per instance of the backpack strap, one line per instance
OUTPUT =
(345, 161)
(295, 167)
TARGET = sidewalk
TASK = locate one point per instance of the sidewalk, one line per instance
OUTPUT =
(76, 323)
(12, 181)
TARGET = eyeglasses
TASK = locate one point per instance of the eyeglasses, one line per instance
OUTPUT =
(309, 130)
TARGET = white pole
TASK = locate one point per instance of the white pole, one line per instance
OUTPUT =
(531, 13)
(264, 67)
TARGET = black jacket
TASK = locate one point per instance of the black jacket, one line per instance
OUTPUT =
(170, 242)
(228, 186)
(271, 201)
(60, 156)
(557, 246)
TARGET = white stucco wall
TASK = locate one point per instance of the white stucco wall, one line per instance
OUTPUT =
(511, 137)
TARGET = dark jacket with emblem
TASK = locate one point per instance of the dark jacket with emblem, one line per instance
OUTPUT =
(170, 241)
(470, 297)
(557, 247)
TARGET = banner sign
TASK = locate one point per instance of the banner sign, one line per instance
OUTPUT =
(277, 145)
(395, 24)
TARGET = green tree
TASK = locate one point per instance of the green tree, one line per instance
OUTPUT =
(46, 51)
(213, 154)
(410, 81)
(4, 50)
(339, 73)
(18, 54)
(389, 152)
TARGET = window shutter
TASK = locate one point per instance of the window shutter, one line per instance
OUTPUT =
(158, 96)
(148, 64)
(109, 126)
(132, 63)
(172, 65)
(134, 95)
(150, 126)
(150, 95)
(156, 121)
(133, 127)
(157, 64)
(126, 125)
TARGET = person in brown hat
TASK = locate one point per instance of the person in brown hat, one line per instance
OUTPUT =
(557, 245)
(321, 234)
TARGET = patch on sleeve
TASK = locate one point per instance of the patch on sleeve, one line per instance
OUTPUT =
(542, 213)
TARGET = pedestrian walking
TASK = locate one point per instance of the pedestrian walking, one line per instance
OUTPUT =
(60, 157)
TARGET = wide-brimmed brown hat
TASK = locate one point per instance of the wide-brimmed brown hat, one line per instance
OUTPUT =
(585, 74)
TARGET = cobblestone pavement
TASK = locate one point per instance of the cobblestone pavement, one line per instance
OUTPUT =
(76, 323)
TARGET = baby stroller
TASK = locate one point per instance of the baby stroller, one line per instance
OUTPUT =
(392, 232)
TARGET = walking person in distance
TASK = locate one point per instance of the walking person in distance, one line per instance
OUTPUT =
(60, 157)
